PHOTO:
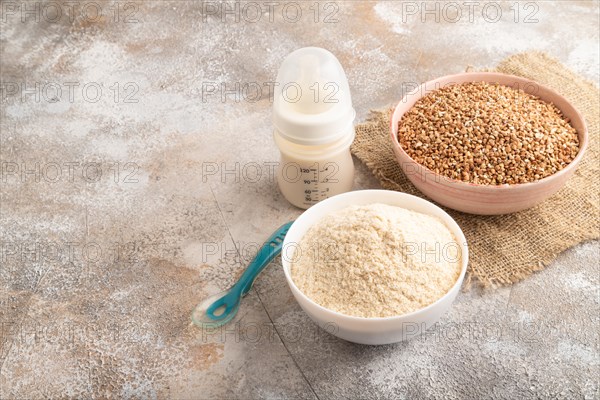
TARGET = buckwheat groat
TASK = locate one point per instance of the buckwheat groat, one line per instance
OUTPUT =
(487, 134)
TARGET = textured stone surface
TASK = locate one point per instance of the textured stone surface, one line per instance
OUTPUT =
(102, 264)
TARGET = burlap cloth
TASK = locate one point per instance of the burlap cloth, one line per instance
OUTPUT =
(507, 248)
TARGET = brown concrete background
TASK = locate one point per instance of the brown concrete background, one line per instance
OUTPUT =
(102, 263)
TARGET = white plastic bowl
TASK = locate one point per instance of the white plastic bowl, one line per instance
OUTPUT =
(371, 330)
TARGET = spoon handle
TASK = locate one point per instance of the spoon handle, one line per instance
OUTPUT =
(270, 249)
(228, 301)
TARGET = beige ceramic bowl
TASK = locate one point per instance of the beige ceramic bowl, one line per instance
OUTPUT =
(486, 199)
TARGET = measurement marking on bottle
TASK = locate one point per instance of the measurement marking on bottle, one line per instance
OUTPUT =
(317, 180)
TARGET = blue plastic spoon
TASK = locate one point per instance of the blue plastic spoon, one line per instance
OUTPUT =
(219, 309)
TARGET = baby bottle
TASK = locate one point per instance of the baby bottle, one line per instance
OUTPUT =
(313, 123)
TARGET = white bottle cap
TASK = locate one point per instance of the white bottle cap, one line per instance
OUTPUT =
(312, 103)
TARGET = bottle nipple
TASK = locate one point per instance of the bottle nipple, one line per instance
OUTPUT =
(312, 103)
(311, 84)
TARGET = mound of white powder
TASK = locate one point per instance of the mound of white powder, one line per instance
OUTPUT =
(376, 261)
